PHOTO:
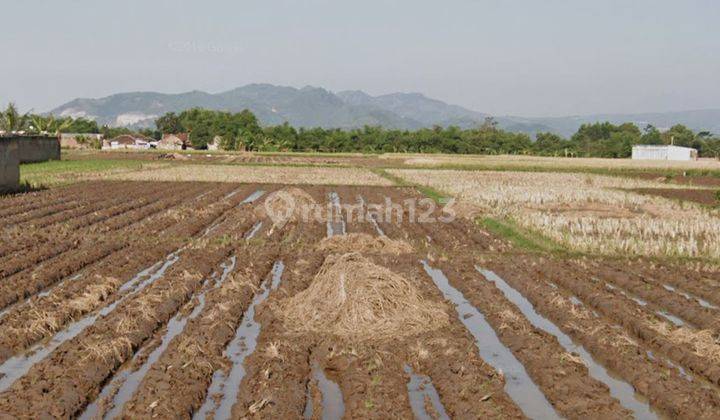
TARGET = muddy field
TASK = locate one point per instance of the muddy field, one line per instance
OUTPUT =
(197, 300)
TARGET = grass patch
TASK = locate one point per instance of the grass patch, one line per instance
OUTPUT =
(59, 172)
(521, 237)
(438, 196)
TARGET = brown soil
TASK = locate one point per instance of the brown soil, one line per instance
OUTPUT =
(698, 181)
(308, 321)
(705, 196)
(619, 350)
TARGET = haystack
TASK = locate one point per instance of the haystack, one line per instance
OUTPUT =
(354, 299)
(362, 242)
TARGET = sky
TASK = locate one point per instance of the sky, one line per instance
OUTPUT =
(521, 57)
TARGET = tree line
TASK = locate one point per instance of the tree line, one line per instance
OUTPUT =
(242, 131)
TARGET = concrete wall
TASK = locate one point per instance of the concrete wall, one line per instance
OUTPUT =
(37, 148)
(9, 165)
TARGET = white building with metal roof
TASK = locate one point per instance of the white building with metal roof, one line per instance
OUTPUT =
(663, 152)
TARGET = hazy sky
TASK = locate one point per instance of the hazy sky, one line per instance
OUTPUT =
(521, 57)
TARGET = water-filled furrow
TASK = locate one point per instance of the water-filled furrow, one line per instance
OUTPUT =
(253, 197)
(704, 303)
(619, 389)
(241, 346)
(335, 223)
(370, 216)
(518, 384)
(662, 313)
(249, 199)
(253, 231)
(333, 406)
(126, 382)
(42, 294)
(232, 193)
(420, 388)
(17, 366)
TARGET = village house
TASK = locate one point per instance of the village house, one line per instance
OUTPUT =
(127, 141)
(180, 141)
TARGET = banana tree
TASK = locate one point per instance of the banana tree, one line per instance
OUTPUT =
(49, 124)
(11, 120)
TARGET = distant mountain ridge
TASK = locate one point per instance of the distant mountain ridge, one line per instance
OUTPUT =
(318, 107)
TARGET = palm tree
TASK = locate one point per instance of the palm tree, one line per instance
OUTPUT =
(11, 120)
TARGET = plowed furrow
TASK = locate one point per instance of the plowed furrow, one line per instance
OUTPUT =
(30, 201)
(99, 285)
(695, 350)
(205, 339)
(52, 211)
(696, 286)
(551, 366)
(660, 298)
(277, 372)
(666, 389)
(187, 366)
(102, 201)
(26, 284)
(103, 347)
(79, 231)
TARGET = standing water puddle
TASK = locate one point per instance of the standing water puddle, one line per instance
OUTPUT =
(335, 223)
(239, 348)
(619, 389)
(420, 388)
(333, 406)
(518, 384)
(704, 303)
(130, 380)
(17, 366)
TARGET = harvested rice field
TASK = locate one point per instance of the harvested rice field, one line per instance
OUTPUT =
(168, 295)
(267, 174)
(589, 213)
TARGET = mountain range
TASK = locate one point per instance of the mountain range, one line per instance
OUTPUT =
(318, 107)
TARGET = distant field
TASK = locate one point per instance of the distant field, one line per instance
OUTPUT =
(514, 162)
(47, 174)
(436, 161)
(259, 174)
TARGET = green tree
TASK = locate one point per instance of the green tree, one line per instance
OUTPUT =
(11, 120)
(679, 135)
(170, 123)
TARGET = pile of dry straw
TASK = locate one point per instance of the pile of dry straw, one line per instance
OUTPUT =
(354, 299)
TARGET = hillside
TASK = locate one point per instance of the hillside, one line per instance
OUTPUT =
(318, 107)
